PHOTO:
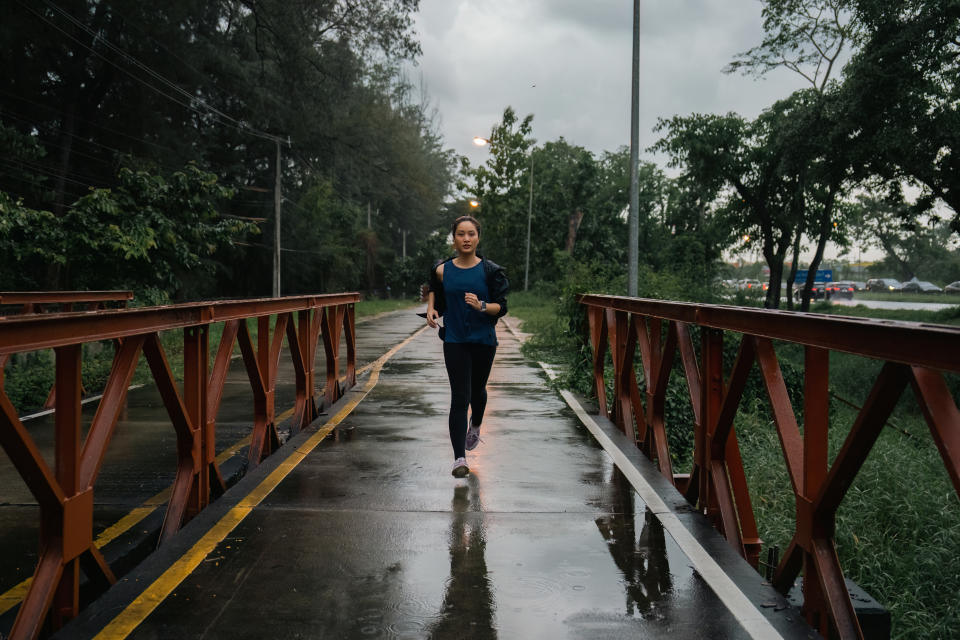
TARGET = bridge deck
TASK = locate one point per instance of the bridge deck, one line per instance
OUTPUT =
(364, 533)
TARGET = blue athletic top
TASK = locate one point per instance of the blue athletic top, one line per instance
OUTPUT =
(463, 323)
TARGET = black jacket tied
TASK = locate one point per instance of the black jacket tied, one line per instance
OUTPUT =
(497, 285)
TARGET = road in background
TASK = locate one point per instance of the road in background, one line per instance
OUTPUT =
(894, 304)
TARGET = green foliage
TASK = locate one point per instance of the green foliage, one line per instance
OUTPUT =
(324, 76)
(28, 379)
(913, 248)
(21, 152)
(901, 89)
(502, 186)
(739, 177)
(30, 241)
(323, 242)
(150, 232)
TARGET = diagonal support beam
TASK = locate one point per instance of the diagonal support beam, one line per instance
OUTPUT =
(108, 412)
(783, 416)
(942, 417)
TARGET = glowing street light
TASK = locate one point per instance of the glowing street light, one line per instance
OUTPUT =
(474, 204)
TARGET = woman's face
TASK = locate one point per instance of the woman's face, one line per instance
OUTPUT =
(466, 238)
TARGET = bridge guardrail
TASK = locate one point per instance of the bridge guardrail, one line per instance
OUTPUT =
(65, 493)
(40, 301)
(914, 354)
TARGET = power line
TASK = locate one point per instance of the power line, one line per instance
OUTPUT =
(239, 124)
(89, 122)
(191, 100)
(263, 246)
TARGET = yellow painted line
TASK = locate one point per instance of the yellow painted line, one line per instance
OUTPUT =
(138, 610)
(150, 505)
(15, 595)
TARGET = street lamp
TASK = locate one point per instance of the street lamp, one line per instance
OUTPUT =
(482, 142)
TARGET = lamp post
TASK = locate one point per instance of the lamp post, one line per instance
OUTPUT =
(633, 237)
(482, 142)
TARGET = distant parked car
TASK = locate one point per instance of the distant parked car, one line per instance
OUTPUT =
(920, 286)
(885, 285)
(818, 292)
(842, 289)
(749, 284)
(953, 287)
(859, 286)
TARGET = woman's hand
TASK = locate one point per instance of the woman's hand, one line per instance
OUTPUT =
(472, 301)
(432, 317)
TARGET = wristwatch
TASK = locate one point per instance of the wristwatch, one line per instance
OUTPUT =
(483, 306)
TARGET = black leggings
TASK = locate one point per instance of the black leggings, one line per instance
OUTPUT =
(468, 367)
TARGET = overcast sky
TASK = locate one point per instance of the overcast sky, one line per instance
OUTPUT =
(568, 62)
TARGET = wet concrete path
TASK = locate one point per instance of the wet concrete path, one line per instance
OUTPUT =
(140, 462)
(370, 536)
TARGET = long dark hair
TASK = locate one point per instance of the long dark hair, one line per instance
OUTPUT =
(461, 219)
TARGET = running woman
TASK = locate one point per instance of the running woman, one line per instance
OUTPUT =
(470, 292)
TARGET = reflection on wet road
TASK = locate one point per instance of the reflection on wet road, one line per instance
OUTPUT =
(642, 559)
(468, 605)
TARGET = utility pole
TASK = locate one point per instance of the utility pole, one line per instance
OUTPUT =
(276, 228)
(634, 216)
(526, 269)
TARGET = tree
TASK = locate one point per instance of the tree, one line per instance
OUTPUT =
(808, 37)
(30, 239)
(98, 84)
(901, 89)
(501, 186)
(735, 160)
(151, 233)
(913, 249)
(564, 183)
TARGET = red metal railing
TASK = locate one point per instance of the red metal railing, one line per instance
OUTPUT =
(914, 354)
(65, 493)
(41, 301)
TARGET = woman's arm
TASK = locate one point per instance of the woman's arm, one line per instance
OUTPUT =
(492, 308)
(436, 284)
(432, 314)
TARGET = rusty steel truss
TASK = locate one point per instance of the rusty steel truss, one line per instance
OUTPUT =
(41, 301)
(65, 492)
(914, 355)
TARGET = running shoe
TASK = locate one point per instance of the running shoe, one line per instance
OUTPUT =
(473, 437)
(460, 468)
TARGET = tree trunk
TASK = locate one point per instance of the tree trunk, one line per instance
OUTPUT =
(800, 216)
(793, 268)
(574, 225)
(824, 235)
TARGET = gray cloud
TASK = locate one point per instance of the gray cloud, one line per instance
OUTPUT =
(568, 62)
